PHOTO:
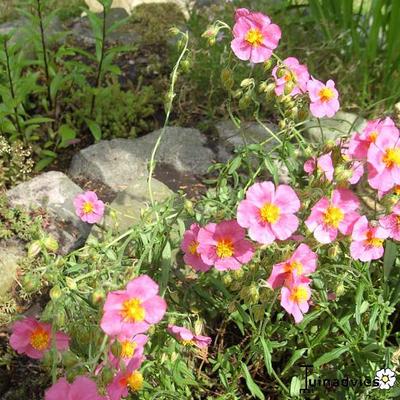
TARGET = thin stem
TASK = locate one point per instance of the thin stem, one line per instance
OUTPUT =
(100, 66)
(45, 61)
(10, 81)
(171, 95)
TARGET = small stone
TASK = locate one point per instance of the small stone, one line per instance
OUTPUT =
(341, 125)
(54, 192)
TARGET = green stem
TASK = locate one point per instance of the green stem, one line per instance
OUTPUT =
(100, 66)
(44, 49)
(171, 96)
(10, 81)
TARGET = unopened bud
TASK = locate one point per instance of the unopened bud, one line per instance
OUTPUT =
(268, 65)
(334, 250)
(98, 296)
(281, 72)
(69, 359)
(51, 244)
(34, 249)
(237, 93)
(227, 280)
(71, 283)
(245, 102)
(31, 282)
(289, 86)
(247, 82)
(55, 292)
(198, 327)
(340, 290)
(116, 349)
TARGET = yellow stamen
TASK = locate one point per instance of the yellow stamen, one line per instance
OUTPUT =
(299, 294)
(372, 136)
(326, 94)
(193, 247)
(270, 213)
(397, 190)
(135, 381)
(187, 342)
(254, 37)
(128, 349)
(373, 241)
(294, 266)
(87, 207)
(132, 311)
(224, 248)
(392, 157)
(39, 339)
(333, 216)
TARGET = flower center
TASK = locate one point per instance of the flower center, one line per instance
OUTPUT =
(373, 241)
(132, 310)
(224, 248)
(39, 339)
(254, 37)
(187, 342)
(397, 190)
(135, 381)
(299, 294)
(372, 136)
(294, 266)
(128, 349)
(333, 216)
(88, 207)
(270, 213)
(385, 378)
(193, 247)
(326, 94)
(392, 157)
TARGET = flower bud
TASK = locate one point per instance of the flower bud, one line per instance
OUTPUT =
(268, 65)
(334, 250)
(116, 348)
(258, 312)
(245, 102)
(247, 82)
(31, 282)
(254, 295)
(174, 31)
(98, 296)
(71, 283)
(55, 292)
(69, 359)
(340, 290)
(227, 279)
(237, 93)
(198, 327)
(281, 72)
(51, 244)
(231, 307)
(282, 124)
(34, 249)
(107, 375)
(289, 86)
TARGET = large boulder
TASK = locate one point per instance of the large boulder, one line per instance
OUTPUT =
(119, 163)
(54, 192)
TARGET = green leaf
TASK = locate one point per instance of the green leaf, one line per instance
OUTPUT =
(37, 120)
(43, 163)
(389, 258)
(359, 299)
(253, 387)
(267, 348)
(94, 129)
(330, 356)
(67, 134)
(295, 386)
(295, 356)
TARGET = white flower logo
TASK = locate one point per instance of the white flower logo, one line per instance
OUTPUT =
(386, 378)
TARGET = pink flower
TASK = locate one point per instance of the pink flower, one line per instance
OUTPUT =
(268, 213)
(129, 379)
(130, 347)
(357, 169)
(88, 207)
(391, 222)
(133, 310)
(189, 247)
(295, 298)
(187, 338)
(302, 262)
(360, 142)
(254, 36)
(224, 245)
(330, 216)
(367, 241)
(384, 160)
(310, 165)
(296, 73)
(81, 389)
(34, 338)
(324, 98)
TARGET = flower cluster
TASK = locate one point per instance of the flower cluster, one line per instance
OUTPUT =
(255, 38)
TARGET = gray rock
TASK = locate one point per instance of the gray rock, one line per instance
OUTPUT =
(127, 207)
(11, 252)
(231, 138)
(54, 192)
(120, 162)
(341, 125)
